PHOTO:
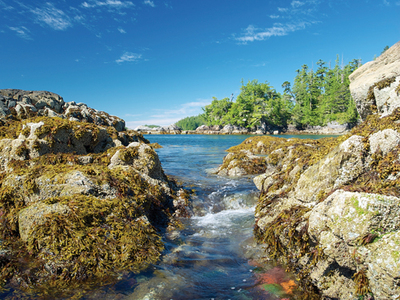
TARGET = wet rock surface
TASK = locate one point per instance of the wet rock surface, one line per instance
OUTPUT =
(80, 203)
(328, 209)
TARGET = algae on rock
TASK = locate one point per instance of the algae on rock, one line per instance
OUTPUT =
(85, 202)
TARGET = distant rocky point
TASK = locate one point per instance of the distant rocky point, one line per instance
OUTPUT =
(331, 128)
(24, 104)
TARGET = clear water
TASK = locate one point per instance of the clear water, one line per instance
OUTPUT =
(215, 256)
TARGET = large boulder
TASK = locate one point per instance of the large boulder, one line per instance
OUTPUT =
(375, 86)
(83, 201)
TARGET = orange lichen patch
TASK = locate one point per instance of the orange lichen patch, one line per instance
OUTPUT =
(288, 286)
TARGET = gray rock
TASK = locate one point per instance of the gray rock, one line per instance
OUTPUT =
(30, 103)
(385, 140)
(367, 76)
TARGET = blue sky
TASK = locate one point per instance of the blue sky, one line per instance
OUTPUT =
(157, 61)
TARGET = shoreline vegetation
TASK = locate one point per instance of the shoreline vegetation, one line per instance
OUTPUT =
(319, 97)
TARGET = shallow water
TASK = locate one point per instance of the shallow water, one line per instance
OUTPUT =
(214, 256)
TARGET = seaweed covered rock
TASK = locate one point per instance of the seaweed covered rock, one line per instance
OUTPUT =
(20, 104)
(79, 203)
(375, 86)
(328, 208)
(322, 217)
(242, 163)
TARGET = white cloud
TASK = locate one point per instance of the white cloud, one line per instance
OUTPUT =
(298, 15)
(22, 32)
(108, 3)
(5, 6)
(185, 110)
(51, 16)
(170, 116)
(121, 30)
(255, 34)
(149, 2)
(296, 4)
(129, 57)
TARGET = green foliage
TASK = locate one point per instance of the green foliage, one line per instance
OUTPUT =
(191, 123)
(257, 104)
(324, 95)
(316, 98)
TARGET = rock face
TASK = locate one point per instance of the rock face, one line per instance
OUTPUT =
(171, 129)
(24, 104)
(242, 163)
(83, 200)
(375, 85)
(328, 208)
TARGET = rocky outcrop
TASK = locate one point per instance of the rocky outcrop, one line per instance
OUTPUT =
(84, 201)
(328, 208)
(171, 129)
(375, 85)
(25, 104)
(242, 163)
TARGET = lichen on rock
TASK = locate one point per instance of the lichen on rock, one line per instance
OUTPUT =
(83, 201)
(328, 209)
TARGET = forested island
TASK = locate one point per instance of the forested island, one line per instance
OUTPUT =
(316, 98)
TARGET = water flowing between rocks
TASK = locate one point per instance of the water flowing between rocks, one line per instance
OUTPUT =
(214, 256)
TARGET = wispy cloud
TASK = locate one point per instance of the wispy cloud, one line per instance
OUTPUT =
(296, 4)
(149, 2)
(22, 32)
(121, 30)
(297, 16)
(5, 6)
(389, 2)
(170, 116)
(129, 57)
(185, 110)
(278, 29)
(51, 16)
(108, 3)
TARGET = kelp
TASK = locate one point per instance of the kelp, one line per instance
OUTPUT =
(98, 238)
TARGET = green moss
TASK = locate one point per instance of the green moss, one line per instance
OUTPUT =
(356, 206)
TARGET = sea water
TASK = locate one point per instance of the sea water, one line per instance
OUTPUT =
(214, 256)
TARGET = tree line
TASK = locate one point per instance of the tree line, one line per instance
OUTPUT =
(316, 97)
